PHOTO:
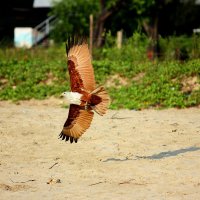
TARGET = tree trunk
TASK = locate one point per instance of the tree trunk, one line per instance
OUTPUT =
(153, 50)
(104, 14)
(98, 35)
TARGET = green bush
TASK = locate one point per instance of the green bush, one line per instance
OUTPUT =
(133, 49)
(132, 80)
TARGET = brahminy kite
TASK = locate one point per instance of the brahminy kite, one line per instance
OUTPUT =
(84, 97)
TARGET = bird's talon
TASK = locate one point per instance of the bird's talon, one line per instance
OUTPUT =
(86, 106)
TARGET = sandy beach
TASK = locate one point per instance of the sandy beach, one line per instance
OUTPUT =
(127, 154)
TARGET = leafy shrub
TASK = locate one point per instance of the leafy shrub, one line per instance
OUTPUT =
(132, 81)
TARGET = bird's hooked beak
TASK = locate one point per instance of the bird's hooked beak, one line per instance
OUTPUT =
(62, 95)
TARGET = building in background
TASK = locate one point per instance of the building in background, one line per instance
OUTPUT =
(21, 14)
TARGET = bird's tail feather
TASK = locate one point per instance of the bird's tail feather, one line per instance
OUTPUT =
(101, 107)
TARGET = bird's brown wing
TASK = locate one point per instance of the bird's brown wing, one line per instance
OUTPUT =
(77, 123)
(79, 65)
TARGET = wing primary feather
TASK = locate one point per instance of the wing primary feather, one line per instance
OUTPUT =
(75, 40)
(63, 137)
(66, 138)
(71, 139)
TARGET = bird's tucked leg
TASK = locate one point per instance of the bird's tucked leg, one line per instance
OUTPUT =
(86, 105)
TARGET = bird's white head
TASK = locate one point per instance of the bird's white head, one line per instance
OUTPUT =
(66, 95)
(72, 97)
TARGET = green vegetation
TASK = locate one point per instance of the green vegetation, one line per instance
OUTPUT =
(72, 17)
(149, 16)
(132, 81)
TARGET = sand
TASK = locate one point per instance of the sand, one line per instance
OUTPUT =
(127, 154)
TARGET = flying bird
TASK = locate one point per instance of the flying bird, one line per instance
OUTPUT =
(84, 97)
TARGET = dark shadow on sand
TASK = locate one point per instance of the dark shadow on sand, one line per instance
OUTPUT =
(117, 159)
(161, 155)
(166, 154)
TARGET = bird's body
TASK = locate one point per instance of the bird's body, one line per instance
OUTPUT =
(84, 96)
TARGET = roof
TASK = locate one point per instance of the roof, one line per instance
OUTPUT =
(197, 2)
(43, 3)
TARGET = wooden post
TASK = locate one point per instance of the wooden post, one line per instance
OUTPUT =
(91, 33)
(119, 39)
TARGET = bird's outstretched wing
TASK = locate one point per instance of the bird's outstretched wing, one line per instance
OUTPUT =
(79, 65)
(77, 123)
